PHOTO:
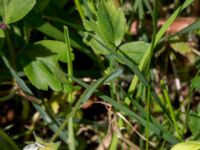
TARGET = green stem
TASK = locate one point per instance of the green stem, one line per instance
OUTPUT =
(147, 122)
(78, 6)
(166, 95)
(112, 83)
(147, 57)
(189, 102)
(70, 95)
(155, 39)
(68, 119)
(10, 48)
(71, 134)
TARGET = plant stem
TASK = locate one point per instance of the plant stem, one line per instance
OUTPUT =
(68, 119)
(166, 95)
(147, 122)
(80, 10)
(70, 95)
(10, 48)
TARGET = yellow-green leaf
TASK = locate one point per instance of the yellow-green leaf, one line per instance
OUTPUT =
(191, 145)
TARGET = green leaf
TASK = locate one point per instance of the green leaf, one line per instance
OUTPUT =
(49, 119)
(171, 20)
(134, 50)
(194, 122)
(86, 95)
(190, 145)
(46, 144)
(104, 24)
(43, 71)
(14, 10)
(196, 82)
(110, 25)
(135, 69)
(154, 125)
(48, 29)
(41, 144)
(180, 46)
(97, 48)
(56, 48)
(3, 5)
(6, 142)
(147, 57)
(40, 76)
(193, 27)
(117, 20)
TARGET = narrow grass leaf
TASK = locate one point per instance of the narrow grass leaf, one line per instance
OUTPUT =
(166, 95)
(190, 28)
(153, 124)
(51, 31)
(84, 97)
(171, 20)
(6, 142)
(135, 70)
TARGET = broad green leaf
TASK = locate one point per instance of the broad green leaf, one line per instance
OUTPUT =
(180, 46)
(6, 142)
(49, 119)
(114, 21)
(94, 27)
(196, 82)
(190, 145)
(3, 5)
(194, 122)
(109, 27)
(43, 68)
(104, 24)
(134, 50)
(14, 10)
(118, 22)
(39, 74)
(97, 48)
(55, 47)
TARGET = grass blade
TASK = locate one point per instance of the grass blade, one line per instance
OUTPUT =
(71, 139)
(153, 124)
(171, 20)
(6, 142)
(140, 76)
(84, 97)
(166, 95)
